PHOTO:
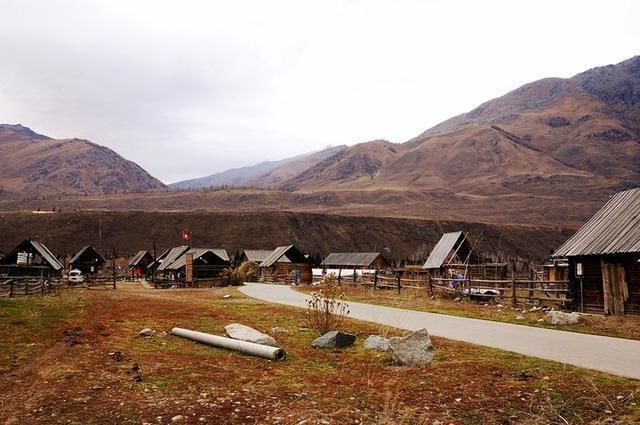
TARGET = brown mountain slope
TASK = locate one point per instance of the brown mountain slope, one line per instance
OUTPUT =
(294, 168)
(358, 166)
(32, 165)
(572, 136)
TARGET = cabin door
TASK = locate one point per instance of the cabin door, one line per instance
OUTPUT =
(615, 288)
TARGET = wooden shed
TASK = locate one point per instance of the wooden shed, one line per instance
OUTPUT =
(604, 258)
(162, 265)
(207, 263)
(356, 261)
(286, 264)
(31, 258)
(87, 260)
(138, 264)
(453, 255)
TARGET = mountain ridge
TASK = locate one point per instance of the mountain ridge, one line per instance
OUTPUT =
(35, 165)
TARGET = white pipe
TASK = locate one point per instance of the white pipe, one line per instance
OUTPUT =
(259, 350)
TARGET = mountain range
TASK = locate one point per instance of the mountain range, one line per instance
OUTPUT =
(551, 150)
(558, 135)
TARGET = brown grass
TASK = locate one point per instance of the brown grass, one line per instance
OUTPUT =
(71, 377)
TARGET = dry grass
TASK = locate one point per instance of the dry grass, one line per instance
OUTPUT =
(413, 299)
(70, 376)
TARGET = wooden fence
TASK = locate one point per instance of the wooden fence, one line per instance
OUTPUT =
(26, 286)
(514, 291)
(96, 282)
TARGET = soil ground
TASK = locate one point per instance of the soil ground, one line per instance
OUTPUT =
(72, 358)
(418, 299)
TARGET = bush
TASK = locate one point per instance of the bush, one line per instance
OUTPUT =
(230, 277)
(327, 306)
(249, 271)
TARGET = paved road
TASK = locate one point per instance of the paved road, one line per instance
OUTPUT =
(613, 355)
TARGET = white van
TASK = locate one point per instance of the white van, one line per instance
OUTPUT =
(75, 276)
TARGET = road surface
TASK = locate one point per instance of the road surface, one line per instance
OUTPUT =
(612, 355)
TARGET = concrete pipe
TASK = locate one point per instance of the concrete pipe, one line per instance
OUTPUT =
(253, 349)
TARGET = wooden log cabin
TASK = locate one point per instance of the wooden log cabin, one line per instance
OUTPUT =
(286, 264)
(31, 258)
(604, 258)
(87, 260)
(138, 264)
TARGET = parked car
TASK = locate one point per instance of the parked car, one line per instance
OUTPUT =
(75, 276)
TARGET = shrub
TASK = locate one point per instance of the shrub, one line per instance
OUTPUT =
(231, 278)
(327, 306)
(248, 271)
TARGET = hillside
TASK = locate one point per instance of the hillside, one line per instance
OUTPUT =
(260, 175)
(560, 135)
(33, 165)
(130, 231)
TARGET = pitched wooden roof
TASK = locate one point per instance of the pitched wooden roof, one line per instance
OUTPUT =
(447, 243)
(83, 250)
(615, 229)
(289, 254)
(257, 255)
(133, 261)
(361, 259)
(197, 253)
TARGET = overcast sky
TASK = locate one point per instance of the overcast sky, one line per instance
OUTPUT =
(189, 88)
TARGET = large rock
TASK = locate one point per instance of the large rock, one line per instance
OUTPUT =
(414, 349)
(145, 332)
(334, 339)
(561, 318)
(376, 342)
(245, 333)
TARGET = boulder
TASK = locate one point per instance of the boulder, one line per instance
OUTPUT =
(245, 333)
(145, 332)
(334, 339)
(376, 342)
(414, 349)
(561, 318)
(520, 317)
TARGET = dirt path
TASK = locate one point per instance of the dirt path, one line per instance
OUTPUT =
(612, 355)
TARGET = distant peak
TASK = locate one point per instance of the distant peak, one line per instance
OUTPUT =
(24, 131)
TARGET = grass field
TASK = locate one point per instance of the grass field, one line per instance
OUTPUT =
(418, 299)
(69, 359)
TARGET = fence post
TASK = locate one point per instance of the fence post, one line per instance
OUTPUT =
(531, 292)
(42, 287)
(398, 277)
(430, 285)
(375, 279)
(514, 300)
(11, 289)
(339, 276)
(26, 288)
(468, 291)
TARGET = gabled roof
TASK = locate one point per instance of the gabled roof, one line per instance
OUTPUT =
(133, 261)
(197, 253)
(257, 255)
(447, 243)
(172, 255)
(283, 254)
(41, 249)
(82, 251)
(361, 259)
(615, 229)
(159, 259)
